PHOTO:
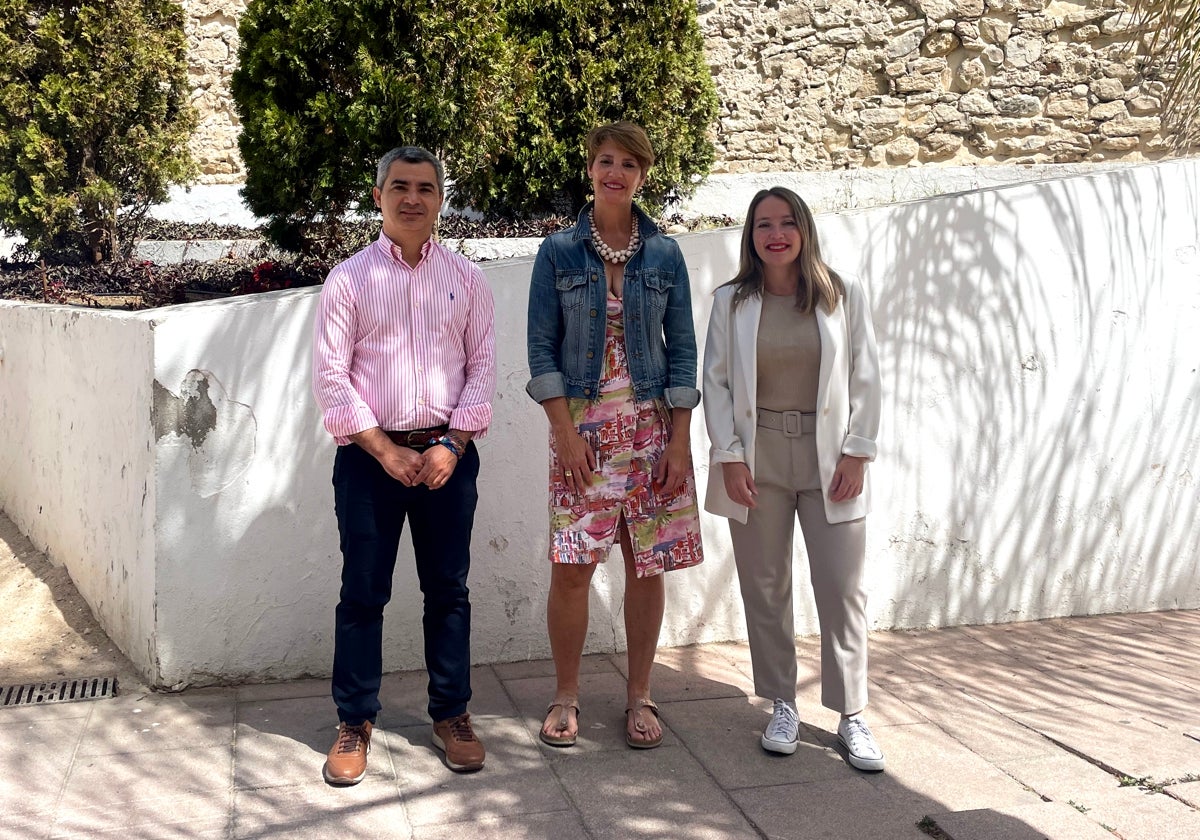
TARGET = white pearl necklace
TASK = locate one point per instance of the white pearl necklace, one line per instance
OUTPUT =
(608, 253)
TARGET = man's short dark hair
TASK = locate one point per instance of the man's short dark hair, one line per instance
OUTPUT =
(410, 154)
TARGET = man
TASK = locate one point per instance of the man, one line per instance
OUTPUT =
(404, 367)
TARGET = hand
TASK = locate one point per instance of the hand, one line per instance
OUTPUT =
(401, 463)
(438, 464)
(739, 484)
(671, 470)
(575, 458)
(847, 478)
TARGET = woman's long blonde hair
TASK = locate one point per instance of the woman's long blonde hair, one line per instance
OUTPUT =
(819, 284)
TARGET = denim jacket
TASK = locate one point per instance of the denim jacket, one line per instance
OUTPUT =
(567, 318)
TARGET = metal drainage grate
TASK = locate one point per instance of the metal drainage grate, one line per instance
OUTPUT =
(60, 691)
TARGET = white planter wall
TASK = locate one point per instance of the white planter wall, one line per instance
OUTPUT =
(1039, 453)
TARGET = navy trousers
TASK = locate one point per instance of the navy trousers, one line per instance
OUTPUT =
(371, 509)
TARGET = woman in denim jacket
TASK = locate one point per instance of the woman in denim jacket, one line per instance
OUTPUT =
(612, 360)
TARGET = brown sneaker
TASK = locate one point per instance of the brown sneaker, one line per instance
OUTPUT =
(347, 761)
(454, 736)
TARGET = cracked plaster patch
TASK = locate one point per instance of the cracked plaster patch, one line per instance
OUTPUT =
(219, 432)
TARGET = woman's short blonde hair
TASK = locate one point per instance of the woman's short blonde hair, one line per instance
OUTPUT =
(629, 136)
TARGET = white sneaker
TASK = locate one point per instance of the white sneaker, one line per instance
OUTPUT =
(862, 751)
(783, 732)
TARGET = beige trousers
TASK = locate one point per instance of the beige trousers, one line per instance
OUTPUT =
(789, 485)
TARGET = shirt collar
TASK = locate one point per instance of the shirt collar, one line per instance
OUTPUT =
(393, 250)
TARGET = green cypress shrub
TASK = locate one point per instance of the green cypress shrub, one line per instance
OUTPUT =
(325, 87)
(94, 117)
(595, 62)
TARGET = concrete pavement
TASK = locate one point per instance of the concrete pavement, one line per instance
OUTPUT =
(1067, 728)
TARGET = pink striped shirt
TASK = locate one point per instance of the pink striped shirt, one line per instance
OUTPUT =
(404, 347)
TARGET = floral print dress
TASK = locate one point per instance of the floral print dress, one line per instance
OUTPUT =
(628, 438)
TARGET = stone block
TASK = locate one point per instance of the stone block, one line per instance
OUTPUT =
(1119, 144)
(1118, 24)
(901, 150)
(1109, 110)
(1130, 126)
(1023, 50)
(1086, 33)
(1067, 106)
(927, 66)
(1142, 105)
(976, 103)
(1107, 90)
(995, 30)
(993, 55)
(1019, 106)
(918, 84)
(844, 36)
(936, 10)
(971, 74)
(874, 136)
(905, 42)
(940, 146)
(940, 43)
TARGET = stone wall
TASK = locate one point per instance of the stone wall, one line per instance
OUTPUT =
(831, 84)
(826, 84)
(211, 28)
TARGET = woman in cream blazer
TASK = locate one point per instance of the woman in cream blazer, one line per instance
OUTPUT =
(800, 449)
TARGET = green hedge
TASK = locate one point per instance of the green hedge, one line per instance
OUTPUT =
(325, 87)
(596, 62)
(94, 116)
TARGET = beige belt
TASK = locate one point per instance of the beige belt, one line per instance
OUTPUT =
(791, 423)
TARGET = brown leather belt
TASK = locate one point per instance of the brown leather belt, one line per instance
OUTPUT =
(417, 438)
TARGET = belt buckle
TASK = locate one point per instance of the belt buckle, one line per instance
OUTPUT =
(793, 425)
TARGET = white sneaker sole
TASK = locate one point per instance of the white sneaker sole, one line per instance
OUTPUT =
(781, 747)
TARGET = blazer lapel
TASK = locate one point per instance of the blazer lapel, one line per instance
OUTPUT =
(745, 325)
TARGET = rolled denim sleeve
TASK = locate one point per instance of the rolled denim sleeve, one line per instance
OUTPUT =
(544, 331)
(679, 331)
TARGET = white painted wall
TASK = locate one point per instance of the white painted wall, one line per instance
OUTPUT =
(1039, 453)
(77, 454)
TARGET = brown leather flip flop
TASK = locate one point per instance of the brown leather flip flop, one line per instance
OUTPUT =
(565, 706)
(639, 725)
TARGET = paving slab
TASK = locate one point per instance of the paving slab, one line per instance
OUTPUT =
(1039, 821)
(819, 810)
(695, 673)
(960, 715)
(1156, 697)
(1062, 777)
(1121, 742)
(14, 826)
(724, 736)
(35, 760)
(1185, 791)
(928, 766)
(660, 793)
(592, 663)
(602, 715)
(992, 736)
(284, 691)
(554, 826)
(319, 811)
(1136, 814)
(514, 781)
(284, 742)
(158, 723)
(1007, 684)
(147, 778)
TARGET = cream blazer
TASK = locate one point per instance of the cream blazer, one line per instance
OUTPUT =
(848, 394)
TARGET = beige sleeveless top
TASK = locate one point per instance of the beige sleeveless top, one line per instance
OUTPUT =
(789, 356)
